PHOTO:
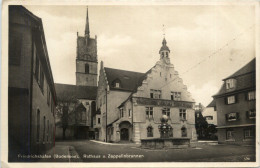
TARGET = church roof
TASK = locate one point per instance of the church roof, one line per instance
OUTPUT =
(67, 91)
(128, 79)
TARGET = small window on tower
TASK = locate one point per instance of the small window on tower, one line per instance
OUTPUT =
(87, 68)
(167, 54)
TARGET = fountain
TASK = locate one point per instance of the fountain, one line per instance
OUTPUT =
(165, 141)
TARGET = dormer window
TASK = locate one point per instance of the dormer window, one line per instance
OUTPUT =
(230, 83)
(116, 83)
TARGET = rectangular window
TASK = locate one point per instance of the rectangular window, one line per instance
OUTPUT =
(52, 105)
(249, 133)
(37, 67)
(48, 129)
(149, 112)
(230, 134)
(15, 48)
(251, 95)
(232, 116)
(38, 126)
(231, 100)
(129, 113)
(112, 130)
(121, 112)
(44, 126)
(182, 114)
(48, 95)
(176, 96)
(41, 80)
(251, 114)
(98, 120)
(166, 111)
(230, 83)
(209, 117)
(155, 94)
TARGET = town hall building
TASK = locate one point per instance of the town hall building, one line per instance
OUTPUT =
(130, 104)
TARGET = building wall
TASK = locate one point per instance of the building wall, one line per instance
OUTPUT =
(241, 107)
(39, 100)
(209, 111)
(163, 77)
(25, 96)
(239, 138)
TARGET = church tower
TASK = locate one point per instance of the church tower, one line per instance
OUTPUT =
(86, 61)
(165, 52)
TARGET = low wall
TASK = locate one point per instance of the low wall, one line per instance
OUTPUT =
(159, 143)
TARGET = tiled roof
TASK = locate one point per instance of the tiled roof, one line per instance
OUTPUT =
(245, 78)
(66, 91)
(249, 67)
(128, 79)
(212, 103)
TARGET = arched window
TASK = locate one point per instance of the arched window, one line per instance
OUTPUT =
(87, 68)
(44, 126)
(48, 129)
(183, 132)
(38, 126)
(149, 131)
(171, 132)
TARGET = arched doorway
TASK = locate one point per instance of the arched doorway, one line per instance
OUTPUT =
(125, 128)
(124, 134)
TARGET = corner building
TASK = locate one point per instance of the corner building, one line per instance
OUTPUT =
(132, 103)
(236, 107)
(31, 90)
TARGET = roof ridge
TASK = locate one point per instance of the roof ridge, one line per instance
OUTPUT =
(123, 70)
(240, 69)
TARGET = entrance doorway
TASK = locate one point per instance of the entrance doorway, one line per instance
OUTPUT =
(124, 134)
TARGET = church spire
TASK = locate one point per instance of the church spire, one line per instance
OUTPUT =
(87, 25)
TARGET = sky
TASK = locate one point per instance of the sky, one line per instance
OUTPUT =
(207, 42)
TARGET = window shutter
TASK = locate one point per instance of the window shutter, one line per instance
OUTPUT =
(236, 98)
(246, 96)
(237, 116)
(226, 117)
(225, 99)
(247, 114)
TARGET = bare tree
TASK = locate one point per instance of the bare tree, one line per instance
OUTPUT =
(66, 105)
